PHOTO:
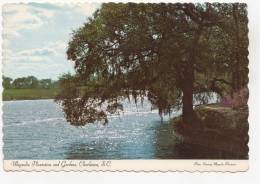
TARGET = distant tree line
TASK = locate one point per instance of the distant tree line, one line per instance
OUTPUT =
(29, 82)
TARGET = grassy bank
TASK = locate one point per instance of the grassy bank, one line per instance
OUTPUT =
(29, 94)
(217, 127)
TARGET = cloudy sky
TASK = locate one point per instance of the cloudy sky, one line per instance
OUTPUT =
(35, 37)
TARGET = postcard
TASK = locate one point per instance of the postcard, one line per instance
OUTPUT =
(125, 87)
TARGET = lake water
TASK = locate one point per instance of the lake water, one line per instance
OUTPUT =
(36, 129)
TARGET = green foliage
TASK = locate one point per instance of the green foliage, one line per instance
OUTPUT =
(7, 82)
(164, 52)
(29, 82)
(25, 82)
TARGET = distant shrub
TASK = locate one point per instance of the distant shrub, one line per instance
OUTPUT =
(237, 99)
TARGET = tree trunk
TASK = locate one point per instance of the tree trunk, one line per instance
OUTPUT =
(188, 80)
(187, 97)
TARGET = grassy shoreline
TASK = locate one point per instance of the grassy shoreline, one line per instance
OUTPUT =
(29, 94)
(217, 127)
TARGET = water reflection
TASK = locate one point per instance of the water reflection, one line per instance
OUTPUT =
(106, 150)
(84, 151)
(40, 132)
(194, 151)
(163, 144)
(168, 146)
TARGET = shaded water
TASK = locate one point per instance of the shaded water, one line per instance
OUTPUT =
(37, 129)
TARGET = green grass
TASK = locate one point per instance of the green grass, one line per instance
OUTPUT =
(29, 94)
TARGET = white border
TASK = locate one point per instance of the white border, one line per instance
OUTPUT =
(160, 165)
(251, 176)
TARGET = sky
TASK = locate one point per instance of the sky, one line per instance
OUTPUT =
(35, 37)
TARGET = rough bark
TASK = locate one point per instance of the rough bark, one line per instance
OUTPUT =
(188, 79)
(187, 97)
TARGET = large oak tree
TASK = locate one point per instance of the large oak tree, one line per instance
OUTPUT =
(165, 52)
